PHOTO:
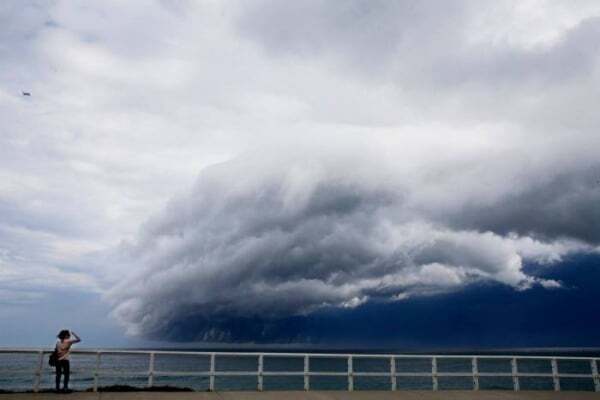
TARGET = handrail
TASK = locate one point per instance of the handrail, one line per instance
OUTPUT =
(306, 373)
(298, 354)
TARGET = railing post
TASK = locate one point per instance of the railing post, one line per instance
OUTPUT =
(515, 372)
(475, 369)
(211, 378)
(151, 370)
(393, 372)
(38, 372)
(96, 371)
(350, 375)
(306, 373)
(434, 378)
(260, 373)
(555, 377)
(594, 365)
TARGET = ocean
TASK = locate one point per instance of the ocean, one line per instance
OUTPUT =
(17, 372)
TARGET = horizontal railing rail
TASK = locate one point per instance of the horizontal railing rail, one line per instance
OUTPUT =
(350, 373)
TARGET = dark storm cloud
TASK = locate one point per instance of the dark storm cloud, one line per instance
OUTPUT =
(374, 152)
(484, 315)
(262, 240)
(269, 239)
(556, 207)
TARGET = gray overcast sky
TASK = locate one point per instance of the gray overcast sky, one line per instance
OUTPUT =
(211, 160)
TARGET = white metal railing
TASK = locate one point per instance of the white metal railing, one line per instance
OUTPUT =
(350, 373)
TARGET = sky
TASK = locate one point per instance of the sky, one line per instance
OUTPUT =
(409, 174)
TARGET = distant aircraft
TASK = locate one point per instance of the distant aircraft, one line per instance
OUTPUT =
(26, 93)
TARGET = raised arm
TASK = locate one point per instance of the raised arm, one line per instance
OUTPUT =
(77, 338)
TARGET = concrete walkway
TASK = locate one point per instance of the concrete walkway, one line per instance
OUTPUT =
(316, 395)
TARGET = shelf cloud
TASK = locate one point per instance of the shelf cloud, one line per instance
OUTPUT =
(226, 171)
(471, 154)
(275, 235)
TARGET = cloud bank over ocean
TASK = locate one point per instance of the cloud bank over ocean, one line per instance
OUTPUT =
(286, 233)
(486, 159)
(336, 220)
(222, 170)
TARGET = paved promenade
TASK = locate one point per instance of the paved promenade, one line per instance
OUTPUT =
(316, 395)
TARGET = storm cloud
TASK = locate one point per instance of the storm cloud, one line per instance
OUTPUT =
(229, 170)
(416, 208)
(268, 237)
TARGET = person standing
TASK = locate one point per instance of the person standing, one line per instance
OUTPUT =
(65, 340)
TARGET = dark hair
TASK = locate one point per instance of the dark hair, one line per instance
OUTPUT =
(63, 334)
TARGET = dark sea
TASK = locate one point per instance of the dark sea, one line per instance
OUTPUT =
(17, 371)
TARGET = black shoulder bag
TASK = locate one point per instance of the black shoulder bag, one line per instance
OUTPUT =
(53, 358)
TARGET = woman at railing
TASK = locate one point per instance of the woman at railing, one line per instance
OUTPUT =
(63, 352)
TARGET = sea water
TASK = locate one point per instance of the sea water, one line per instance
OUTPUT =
(17, 372)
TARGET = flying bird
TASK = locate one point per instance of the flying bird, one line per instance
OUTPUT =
(26, 93)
